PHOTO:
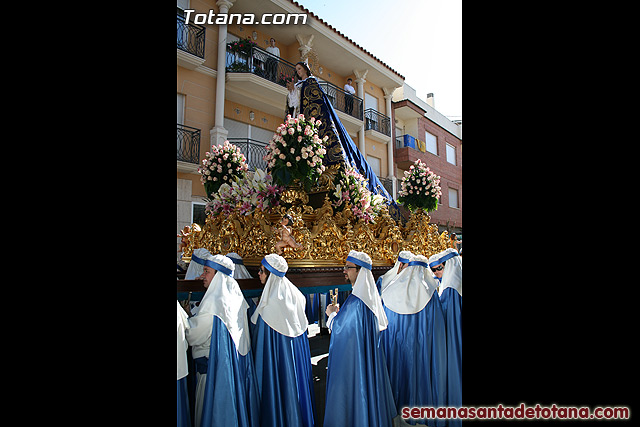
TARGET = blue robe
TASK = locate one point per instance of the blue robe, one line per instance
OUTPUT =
(250, 311)
(231, 390)
(415, 345)
(184, 418)
(358, 388)
(285, 382)
(379, 284)
(452, 309)
(312, 307)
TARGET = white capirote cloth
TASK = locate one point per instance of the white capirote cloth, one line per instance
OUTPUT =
(409, 292)
(452, 274)
(281, 303)
(195, 268)
(365, 287)
(183, 324)
(403, 257)
(223, 299)
(241, 271)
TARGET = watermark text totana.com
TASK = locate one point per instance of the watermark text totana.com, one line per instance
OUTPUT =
(212, 18)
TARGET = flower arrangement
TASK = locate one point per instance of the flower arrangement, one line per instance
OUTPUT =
(221, 165)
(351, 187)
(295, 152)
(420, 188)
(242, 45)
(244, 195)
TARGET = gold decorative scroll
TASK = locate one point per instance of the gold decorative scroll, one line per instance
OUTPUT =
(326, 237)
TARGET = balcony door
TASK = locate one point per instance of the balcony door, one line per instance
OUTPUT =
(371, 102)
(251, 140)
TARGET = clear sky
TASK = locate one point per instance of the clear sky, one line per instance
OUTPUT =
(420, 39)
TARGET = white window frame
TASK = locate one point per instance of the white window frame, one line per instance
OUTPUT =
(449, 158)
(181, 108)
(192, 209)
(371, 160)
(426, 141)
(456, 198)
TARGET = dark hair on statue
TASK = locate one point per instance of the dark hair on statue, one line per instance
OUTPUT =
(306, 67)
(288, 217)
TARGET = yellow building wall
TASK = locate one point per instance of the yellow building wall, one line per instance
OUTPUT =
(240, 112)
(379, 150)
(211, 32)
(199, 92)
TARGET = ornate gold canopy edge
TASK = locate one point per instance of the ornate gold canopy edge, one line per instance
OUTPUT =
(326, 237)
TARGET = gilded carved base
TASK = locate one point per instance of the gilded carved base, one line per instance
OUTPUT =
(326, 237)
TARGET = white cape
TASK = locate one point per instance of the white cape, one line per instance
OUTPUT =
(409, 292)
(282, 305)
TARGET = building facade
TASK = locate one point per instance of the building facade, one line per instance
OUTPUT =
(238, 93)
(421, 132)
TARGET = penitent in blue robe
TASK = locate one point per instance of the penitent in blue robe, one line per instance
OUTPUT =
(285, 381)
(184, 417)
(358, 388)
(451, 302)
(231, 391)
(415, 346)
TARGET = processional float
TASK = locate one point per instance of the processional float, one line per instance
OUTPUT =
(318, 177)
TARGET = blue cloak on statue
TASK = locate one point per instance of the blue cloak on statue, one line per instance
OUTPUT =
(231, 391)
(340, 147)
(283, 369)
(358, 388)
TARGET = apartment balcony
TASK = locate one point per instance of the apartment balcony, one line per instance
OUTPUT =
(348, 107)
(257, 79)
(407, 151)
(188, 148)
(253, 150)
(377, 126)
(190, 44)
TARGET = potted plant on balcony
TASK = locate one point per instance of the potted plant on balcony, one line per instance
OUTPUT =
(295, 153)
(420, 188)
(242, 46)
(220, 166)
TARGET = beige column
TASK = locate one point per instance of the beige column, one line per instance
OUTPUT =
(388, 94)
(360, 80)
(218, 134)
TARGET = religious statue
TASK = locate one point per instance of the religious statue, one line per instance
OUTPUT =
(307, 97)
(184, 236)
(286, 239)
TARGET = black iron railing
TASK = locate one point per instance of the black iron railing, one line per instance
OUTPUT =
(191, 38)
(377, 121)
(342, 100)
(253, 150)
(261, 63)
(188, 144)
